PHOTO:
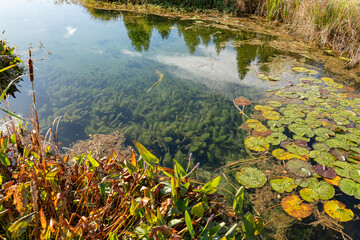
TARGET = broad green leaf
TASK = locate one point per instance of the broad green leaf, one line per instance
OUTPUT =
(239, 200)
(248, 226)
(20, 225)
(198, 210)
(210, 187)
(51, 174)
(147, 155)
(92, 161)
(179, 170)
(189, 225)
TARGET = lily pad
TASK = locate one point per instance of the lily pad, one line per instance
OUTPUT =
(324, 171)
(257, 144)
(299, 168)
(277, 138)
(338, 211)
(355, 175)
(334, 181)
(293, 148)
(263, 108)
(325, 190)
(282, 184)
(274, 103)
(301, 130)
(294, 206)
(336, 143)
(271, 115)
(256, 125)
(309, 195)
(251, 177)
(305, 70)
(350, 187)
(281, 154)
(242, 101)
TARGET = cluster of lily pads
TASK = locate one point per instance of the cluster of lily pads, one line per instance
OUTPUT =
(313, 127)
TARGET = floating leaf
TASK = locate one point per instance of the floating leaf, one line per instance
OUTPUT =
(277, 138)
(309, 195)
(282, 184)
(271, 115)
(281, 154)
(274, 103)
(242, 101)
(294, 206)
(256, 125)
(355, 175)
(299, 168)
(324, 171)
(336, 143)
(257, 144)
(324, 189)
(263, 108)
(338, 211)
(293, 148)
(334, 181)
(301, 130)
(251, 177)
(350, 187)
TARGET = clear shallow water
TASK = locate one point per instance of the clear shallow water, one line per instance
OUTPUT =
(95, 66)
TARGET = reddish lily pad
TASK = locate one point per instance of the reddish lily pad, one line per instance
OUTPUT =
(242, 101)
(324, 171)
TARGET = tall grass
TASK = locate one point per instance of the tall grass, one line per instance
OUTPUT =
(327, 23)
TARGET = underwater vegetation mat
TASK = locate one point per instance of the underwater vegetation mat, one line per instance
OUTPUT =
(311, 147)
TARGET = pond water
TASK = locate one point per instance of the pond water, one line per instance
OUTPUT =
(95, 68)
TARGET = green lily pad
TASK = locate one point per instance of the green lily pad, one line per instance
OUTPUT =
(251, 177)
(313, 79)
(305, 70)
(277, 138)
(282, 184)
(338, 211)
(257, 144)
(309, 195)
(299, 168)
(292, 95)
(301, 130)
(336, 143)
(274, 103)
(350, 187)
(355, 174)
(271, 115)
(323, 132)
(325, 190)
(305, 182)
(263, 108)
(293, 148)
(301, 138)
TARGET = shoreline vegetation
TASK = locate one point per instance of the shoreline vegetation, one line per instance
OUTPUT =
(331, 25)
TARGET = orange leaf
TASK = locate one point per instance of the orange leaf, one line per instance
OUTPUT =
(133, 159)
(42, 218)
(294, 206)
